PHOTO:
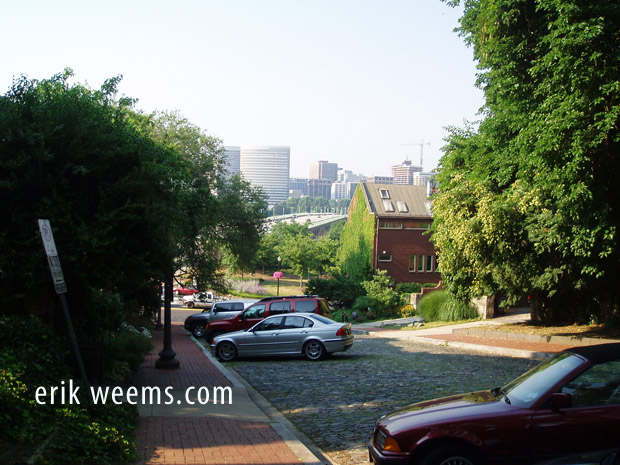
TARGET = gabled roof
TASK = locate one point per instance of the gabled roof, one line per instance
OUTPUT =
(397, 200)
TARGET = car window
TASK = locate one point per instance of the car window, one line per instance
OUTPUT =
(279, 307)
(324, 320)
(294, 322)
(223, 307)
(305, 306)
(269, 325)
(256, 311)
(599, 385)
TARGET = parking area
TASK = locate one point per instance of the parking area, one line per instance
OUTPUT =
(336, 402)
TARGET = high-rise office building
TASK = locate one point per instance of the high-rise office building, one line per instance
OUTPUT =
(298, 187)
(319, 188)
(231, 156)
(324, 170)
(267, 167)
(405, 172)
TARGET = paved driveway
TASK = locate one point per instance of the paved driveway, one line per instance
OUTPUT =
(336, 402)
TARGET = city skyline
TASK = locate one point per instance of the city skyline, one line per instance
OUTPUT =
(350, 82)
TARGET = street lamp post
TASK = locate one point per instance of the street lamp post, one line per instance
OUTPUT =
(279, 275)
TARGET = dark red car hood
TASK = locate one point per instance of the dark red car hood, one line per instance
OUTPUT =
(463, 407)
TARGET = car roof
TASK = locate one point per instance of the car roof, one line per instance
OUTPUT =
(283, 297)
(599, 353)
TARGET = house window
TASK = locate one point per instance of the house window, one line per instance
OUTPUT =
(420, 263)
(384, 193)
(390, 225)
(429, 263)
(402, 206)
(385, 257)
(412, 260)
(417, 225)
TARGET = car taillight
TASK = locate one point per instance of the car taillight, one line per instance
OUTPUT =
(343, 331)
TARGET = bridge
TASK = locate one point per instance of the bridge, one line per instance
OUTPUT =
(318, 223)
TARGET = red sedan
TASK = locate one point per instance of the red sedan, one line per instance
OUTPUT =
(185, 290)
(568, 404)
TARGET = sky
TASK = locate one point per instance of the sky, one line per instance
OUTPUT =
(362, 83)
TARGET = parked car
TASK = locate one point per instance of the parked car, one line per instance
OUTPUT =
(601, 457)
(185, 290)
(568, 404)
(200, 300)
(311, 335)
(197, 322)
(264, 308)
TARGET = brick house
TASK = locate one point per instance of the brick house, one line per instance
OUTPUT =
(400, 217)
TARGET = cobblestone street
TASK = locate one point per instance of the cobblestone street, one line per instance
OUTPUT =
(336, 402)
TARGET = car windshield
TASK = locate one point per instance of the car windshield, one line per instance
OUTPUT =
(527, 388)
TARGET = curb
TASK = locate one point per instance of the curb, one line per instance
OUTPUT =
(305, 450)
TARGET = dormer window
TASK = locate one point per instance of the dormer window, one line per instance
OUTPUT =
(402, 206)
(388, 205)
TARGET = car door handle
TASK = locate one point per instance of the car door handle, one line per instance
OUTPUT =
(274, 333)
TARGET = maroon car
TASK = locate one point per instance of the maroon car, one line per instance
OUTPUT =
(185, 290)
(566, 405)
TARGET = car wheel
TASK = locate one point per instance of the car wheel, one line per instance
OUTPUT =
(314, 350)
(198, 331)
(226, 351)
(190, 304)
(451, 455)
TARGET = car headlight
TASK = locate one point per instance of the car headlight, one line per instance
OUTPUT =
(386, 442)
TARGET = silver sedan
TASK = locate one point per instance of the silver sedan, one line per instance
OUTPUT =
(311, 335)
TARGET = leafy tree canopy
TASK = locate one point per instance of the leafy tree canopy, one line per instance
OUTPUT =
(529, 199)
(128, 196)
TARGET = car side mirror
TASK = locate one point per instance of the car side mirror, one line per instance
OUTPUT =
(561, 400)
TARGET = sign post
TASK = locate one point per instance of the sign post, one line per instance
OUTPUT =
(61, 289)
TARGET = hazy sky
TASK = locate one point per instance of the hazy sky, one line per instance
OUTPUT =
(348, 81)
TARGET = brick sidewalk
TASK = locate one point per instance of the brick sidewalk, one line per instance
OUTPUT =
(200, 440)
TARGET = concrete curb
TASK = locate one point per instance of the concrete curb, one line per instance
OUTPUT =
(307, 452)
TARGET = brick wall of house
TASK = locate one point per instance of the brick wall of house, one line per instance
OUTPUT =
(399, 245)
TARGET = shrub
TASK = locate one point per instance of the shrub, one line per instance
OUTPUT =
(340, 290)
(408, 288)
(31, 356)
(380, 290)
(441, 306)
(252, 286)
(430, 305)
(407, 311)
(455, 310)
(127, 349)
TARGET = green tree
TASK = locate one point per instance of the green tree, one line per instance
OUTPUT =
(72, 155)
(528, 201)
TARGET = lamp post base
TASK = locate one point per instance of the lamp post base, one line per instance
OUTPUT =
(167, 360)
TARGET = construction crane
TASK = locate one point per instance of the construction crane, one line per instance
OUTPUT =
(421, 144)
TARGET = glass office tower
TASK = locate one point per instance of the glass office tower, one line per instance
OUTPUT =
(267, 167)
